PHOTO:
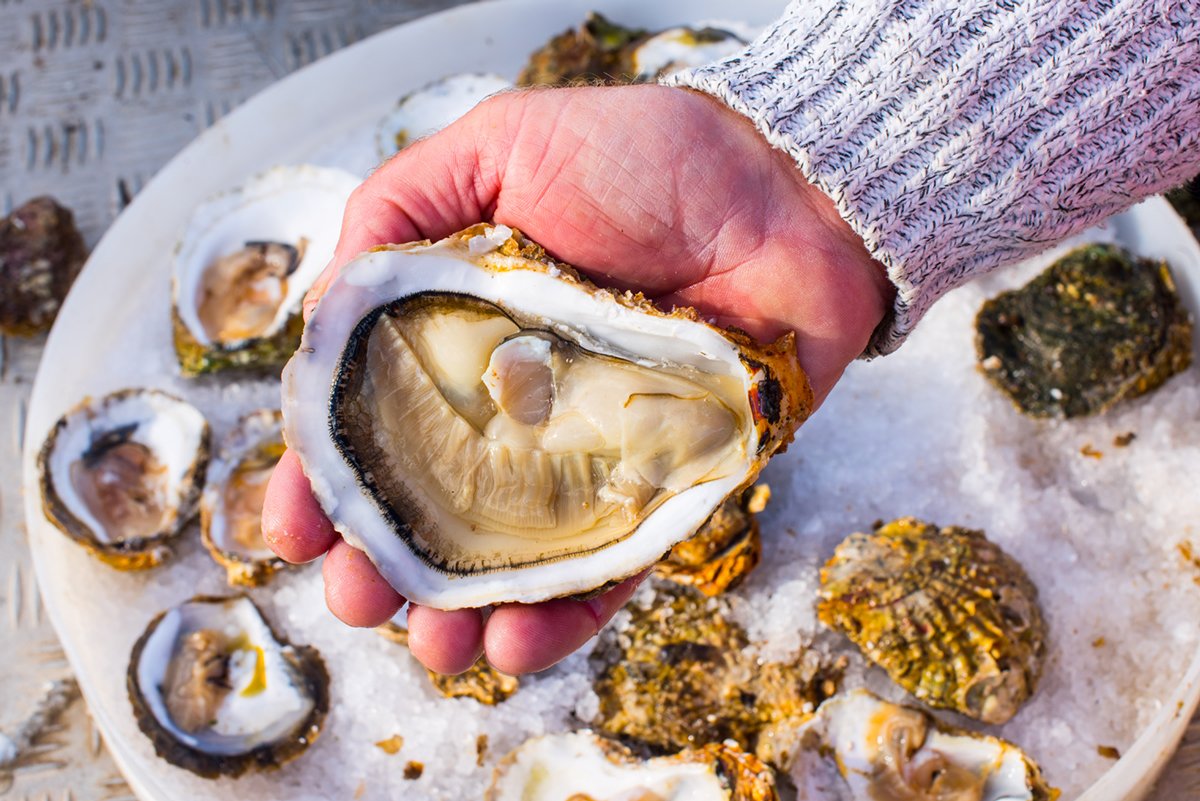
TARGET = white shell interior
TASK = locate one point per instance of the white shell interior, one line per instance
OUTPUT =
(433, 107)
(251, 431)
(676, 47)
(593, 319)
(243, 722)
(283, 204)
(565, 766)
(172, 429)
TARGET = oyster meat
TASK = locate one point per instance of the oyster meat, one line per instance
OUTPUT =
(1096, 327)
(951, 617)
(219, 693)
(41, 252)
(231, 506)
(681, 675)
(489, 427)
(727, 547)
(580, 766)
(481, 681)
(861, 747)
(433, 107)
(245, 263)
(121, 475)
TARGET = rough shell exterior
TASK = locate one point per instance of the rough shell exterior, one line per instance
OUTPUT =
(598, 51)
(264, 354)
(269, 756)
(722, 553)
(41, 253)
(1097, 327)
(951, 617)
(679, 677)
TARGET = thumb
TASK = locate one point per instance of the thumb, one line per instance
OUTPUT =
(429, 190)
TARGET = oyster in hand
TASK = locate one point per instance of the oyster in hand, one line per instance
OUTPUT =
(722, 553)
(1097, 327)
(489, 427)
(861, 747)
(219, 693)
(580, 766)
(41, 253)
(951, 617)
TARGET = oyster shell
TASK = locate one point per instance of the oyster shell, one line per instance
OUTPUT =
(488, 427)
(680, 48)
(231, 506)
(951, 617)
(433, 107)
(121, 475)
(722, 553)
(1096, 327)
(595, 52)
(41, 252)
(481, 681)
(861, 747)
(580, 766)
(681, 675)
(219, 693)
(245, 263)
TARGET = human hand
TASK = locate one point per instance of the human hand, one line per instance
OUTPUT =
(661, 190)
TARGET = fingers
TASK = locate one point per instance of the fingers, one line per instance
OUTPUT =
(354, 590)
(522, 638)
(445, 642)
(293, 524)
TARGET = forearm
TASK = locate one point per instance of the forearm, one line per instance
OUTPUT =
(959, 135)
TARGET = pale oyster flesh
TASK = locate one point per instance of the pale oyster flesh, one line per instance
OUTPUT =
(218, 692)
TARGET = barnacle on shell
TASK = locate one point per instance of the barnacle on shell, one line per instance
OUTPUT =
(951, 617)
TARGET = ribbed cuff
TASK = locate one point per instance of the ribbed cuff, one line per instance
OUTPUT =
(958, 135)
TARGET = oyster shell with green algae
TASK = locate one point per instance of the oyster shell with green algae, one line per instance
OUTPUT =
(595, 52)
(952, 618)
(481, 681)
(41, 252)
(581, 766)
(681, 675)
(719, 556)
(1096, 327)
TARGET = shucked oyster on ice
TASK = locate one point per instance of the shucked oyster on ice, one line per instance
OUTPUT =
(121, 475)
(219, 693)
(433, 107)
(245, 263)
(580, 766)
(861, 747)
(951, 617)
(489, 427)
(231, 506)
(1096, 327)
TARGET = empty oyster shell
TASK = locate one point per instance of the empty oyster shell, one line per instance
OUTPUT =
(231, 506)
(433, 107)
(577, 766)
(41, 252)
(121, 475)
(218, 692)
(245, 263)
(861, 747)
(680, 675)
(488, 427)
(1096, 327)
(951, 617)
(727, 547)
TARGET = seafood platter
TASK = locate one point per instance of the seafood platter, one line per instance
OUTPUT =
(972, 575)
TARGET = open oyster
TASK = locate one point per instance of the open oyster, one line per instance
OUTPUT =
(580, 766)
(489, 427)
(680, 48)
(231, 506)
(595, 52)
(859, 746)
(245, 263)
(680, 675)
(481, 681)
(41, 252)
(218, 692)
(433, 107)
(727, 547)
(951, 617)
(121, 475)
(1096, 327)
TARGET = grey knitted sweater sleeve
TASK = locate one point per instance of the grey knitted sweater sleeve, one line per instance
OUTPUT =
(959, 135)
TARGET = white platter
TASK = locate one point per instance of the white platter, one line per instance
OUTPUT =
(113, 332)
